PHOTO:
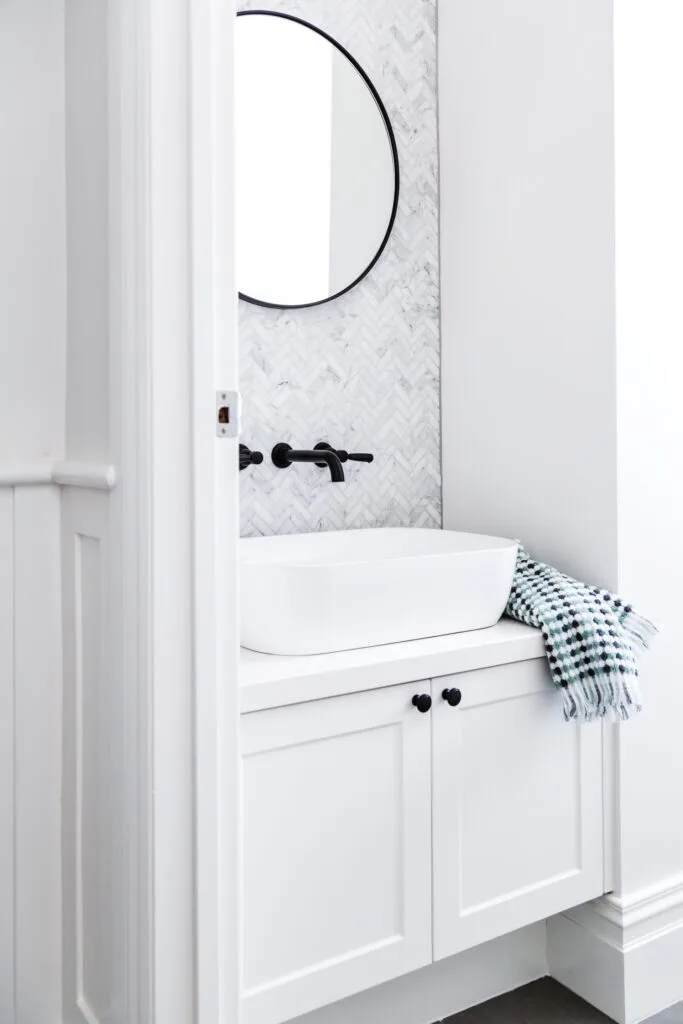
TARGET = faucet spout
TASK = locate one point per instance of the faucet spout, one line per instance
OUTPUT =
(284, 455)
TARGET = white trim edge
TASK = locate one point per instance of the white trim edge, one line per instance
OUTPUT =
(652, 904)
(623, 953)
(626, 921)
(88, 475)
(25, 474)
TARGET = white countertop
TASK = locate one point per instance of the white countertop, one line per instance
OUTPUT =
(268, 681)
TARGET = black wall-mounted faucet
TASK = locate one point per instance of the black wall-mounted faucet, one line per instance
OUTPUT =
(249, 458)
(284, 455)
(345, 456)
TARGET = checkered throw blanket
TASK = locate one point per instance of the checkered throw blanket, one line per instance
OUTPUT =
(591, 639)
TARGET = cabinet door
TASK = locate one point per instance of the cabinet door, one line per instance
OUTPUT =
(337, 849)
(517, 806)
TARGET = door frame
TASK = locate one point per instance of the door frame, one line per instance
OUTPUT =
(215, 515)
(174, 331)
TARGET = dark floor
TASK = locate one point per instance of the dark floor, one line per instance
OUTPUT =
(546, 1002)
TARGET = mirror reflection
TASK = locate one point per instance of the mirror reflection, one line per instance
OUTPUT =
(317, 169)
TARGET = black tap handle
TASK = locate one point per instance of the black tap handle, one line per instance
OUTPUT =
(345, 456)
(249, 458)
(355, 456)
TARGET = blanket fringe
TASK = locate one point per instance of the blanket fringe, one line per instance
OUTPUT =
(639, 630)
(623, 700)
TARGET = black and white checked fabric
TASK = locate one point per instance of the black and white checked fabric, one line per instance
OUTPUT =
(591, 639)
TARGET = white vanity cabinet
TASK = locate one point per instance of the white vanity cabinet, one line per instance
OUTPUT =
(517, 806)
(379, 838)
(337, 849)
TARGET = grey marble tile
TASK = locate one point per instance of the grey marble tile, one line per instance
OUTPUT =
(362, 372)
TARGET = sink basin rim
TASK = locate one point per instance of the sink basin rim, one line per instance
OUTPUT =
(249, 548)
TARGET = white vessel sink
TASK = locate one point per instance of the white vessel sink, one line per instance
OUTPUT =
(317, 593)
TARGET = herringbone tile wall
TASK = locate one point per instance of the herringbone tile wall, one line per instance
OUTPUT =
(361, 372)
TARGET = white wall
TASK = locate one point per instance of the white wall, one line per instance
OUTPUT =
(69, 858)
(649, 204)
(87, 168)
(563, 421)
(529, 402)
(32, 230)
(32, 399)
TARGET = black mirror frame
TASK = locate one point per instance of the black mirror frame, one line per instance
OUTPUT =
(394, 150)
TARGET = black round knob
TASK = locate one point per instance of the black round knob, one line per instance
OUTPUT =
(453, 697)
(422, 702)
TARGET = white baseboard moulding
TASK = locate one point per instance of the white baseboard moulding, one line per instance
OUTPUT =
(623, 954)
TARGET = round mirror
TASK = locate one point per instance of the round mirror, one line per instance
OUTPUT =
(317, 166)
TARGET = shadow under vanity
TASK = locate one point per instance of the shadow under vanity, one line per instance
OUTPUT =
(411, 790)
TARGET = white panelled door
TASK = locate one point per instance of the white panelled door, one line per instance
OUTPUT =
(517, 806)
(337, 849)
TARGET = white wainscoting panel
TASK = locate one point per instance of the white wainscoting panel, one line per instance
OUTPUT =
(93, 832)
(30, 756)
(7, 755)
